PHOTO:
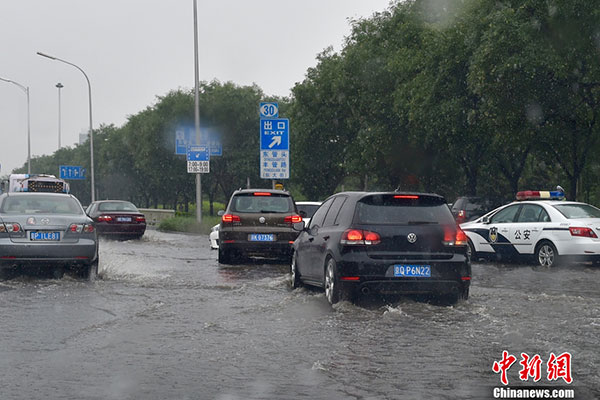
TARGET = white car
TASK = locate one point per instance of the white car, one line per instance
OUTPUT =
(307, 209)
(546, 230)
(214, 237)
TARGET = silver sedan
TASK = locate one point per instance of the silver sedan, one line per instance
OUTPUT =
(48, 230)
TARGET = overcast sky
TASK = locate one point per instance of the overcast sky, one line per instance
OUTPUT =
(135, 50)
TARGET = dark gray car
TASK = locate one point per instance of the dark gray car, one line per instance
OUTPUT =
(49, 230)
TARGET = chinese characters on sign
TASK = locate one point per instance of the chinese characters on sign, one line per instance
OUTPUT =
(557, 367)
(274, 164)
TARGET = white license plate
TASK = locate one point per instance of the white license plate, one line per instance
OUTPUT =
(412, 271)
(44, 236)
(123, 219)
(261, 237)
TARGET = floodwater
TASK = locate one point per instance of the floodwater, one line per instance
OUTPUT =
(165, 321)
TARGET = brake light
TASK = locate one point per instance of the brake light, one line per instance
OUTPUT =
(76, 228)
(88, 228)
(454, 236)
(262, 193)
(292, 219)
(406, 196)
(10, 228)
(140, 219)
(360, 237)
(583, 232)
(105, 218)
(229, 218)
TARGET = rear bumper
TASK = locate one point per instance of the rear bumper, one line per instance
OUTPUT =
(448, 277)
(82, 252)
(120, 229)
(258, 249)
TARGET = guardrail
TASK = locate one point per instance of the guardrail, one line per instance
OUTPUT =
(154, 216)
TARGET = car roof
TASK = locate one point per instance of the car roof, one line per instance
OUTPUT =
(273, 191)
(309, 203)
(18, 194)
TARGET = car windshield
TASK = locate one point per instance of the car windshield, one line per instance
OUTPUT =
(386, 209)
(575, 211)
(116, 206)
(261, 204)
(40, 204)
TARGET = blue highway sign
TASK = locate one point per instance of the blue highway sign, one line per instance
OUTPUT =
(275, 134)
(269, 110)
(198, 153)
(71, 172)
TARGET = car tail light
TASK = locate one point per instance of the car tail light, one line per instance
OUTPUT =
(79, 228)
(292, 219)
(461, 217)
(105, 218)
(583, 232)
(229, 218)
(140, 219)
(360, 237)
(454, 236)
(10, 227)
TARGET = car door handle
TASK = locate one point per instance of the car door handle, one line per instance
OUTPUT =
(504, 230)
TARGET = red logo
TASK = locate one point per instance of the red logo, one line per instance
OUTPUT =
(531, 367)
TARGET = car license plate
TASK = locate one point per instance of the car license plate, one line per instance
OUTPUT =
(261, 237)
(413, 271)
(44, 236)
(124, 219)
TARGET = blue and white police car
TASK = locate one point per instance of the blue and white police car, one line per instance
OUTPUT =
(539, 225)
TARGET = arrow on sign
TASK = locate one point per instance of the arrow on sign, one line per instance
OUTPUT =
(276, 141)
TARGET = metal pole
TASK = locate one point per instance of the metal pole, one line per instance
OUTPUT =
(26, 90)
(197, 113)
(91, 137)
(59, 86)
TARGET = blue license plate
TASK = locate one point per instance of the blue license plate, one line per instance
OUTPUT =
(44, 236)
(261, 237)
(124, 219)
(412, 270)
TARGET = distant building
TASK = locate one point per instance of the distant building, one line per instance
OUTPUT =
(83, 136)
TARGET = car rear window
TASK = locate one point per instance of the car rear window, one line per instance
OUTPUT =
(40, 204)
(272, 203)
(397, 209)
(574, 211)
(117, 206)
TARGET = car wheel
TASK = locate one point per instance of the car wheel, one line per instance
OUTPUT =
(471, 253)
(546, 255)
(224, 258)
(295, 275)
(464, 294)
(89, 272)
(333, 290)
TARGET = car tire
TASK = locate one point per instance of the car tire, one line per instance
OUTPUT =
(471, 253)
(89, 272)
(464, 294)
(295, 281)
(331, 283)
(546, 254)
(224, 258)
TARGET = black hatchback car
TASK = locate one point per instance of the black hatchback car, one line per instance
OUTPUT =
(388, 243)
(258, 224)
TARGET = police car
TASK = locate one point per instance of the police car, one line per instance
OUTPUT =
(539, 225)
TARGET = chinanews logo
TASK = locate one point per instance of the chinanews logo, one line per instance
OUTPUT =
(557, 367)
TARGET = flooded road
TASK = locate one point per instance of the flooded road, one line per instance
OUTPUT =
(165, 321)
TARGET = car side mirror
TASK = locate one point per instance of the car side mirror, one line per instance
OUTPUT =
(485, 220)
(220, 213)
(298, 226)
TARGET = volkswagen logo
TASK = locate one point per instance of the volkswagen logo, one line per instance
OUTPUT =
(262, 220)
(412, 237)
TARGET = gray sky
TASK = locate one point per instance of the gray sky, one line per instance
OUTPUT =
(135, 50)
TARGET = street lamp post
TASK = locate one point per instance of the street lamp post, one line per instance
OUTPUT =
(90, 104)
(26, 90)
(59, 86)
(197, 113)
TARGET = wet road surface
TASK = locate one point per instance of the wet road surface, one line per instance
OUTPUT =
(165, 321)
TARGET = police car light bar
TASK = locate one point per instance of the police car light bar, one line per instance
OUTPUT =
(540, 195)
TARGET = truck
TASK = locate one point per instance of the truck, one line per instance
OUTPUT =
(37, 183)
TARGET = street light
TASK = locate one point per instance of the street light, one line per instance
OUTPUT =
(90, 103)
(26, 90)
(59, 86)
